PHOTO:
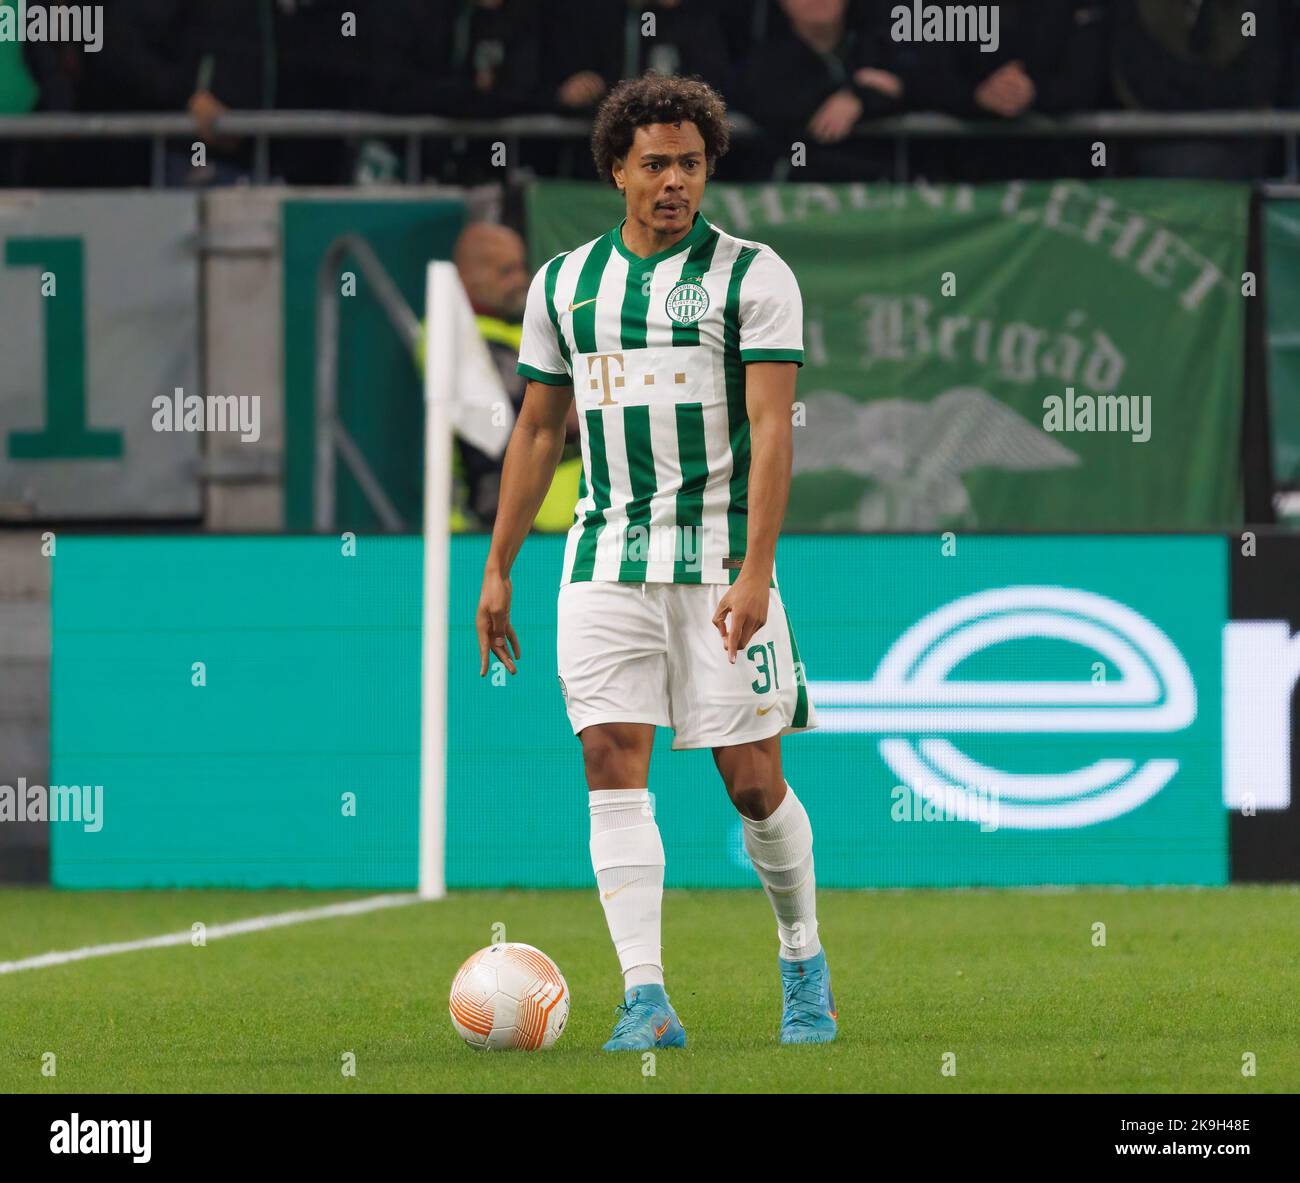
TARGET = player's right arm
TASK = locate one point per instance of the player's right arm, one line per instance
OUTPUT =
(532, 457)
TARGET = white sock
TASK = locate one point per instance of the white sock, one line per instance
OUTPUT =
(627, 855)
(780, 847)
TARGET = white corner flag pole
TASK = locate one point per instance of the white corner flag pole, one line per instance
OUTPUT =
(439, 389)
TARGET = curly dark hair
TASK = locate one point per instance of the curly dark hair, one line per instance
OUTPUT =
(658, 98)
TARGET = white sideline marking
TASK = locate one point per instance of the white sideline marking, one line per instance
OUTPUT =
(233, 929)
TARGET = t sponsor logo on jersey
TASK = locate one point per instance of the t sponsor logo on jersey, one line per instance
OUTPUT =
(638, 377)
(919, 709)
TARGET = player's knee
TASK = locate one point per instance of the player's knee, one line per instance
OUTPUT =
(604, 764)
(612, 758)
(750, 800)
(752, 774)
(756, 797)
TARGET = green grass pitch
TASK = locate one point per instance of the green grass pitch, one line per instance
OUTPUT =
(1010, 982)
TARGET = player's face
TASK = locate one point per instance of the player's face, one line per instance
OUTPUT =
(663, 176)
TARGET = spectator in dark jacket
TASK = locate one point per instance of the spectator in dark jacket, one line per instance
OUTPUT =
(1191, 55)
(466, 59)
(463, 58)
(1290, 83)
(814, 84)
(1050, 59)
(593, 46)
(171, 55)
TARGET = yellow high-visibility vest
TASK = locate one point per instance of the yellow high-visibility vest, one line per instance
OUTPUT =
(556, 513)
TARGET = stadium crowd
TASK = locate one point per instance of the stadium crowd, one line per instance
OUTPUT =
(803, 70)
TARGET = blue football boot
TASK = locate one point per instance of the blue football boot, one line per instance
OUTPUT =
(808, 1011)
(646, 1020)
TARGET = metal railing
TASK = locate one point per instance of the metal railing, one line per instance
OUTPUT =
(264, 126)
(331, 435)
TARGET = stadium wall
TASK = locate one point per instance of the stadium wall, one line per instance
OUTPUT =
(110, 299)
(1027, 710)
(24, 696)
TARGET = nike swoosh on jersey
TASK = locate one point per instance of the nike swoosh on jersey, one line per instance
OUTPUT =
(580, 303)
(764, 710)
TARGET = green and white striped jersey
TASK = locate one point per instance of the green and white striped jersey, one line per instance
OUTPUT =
(655, 350)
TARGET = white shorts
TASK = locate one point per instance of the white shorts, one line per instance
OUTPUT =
(650, 653)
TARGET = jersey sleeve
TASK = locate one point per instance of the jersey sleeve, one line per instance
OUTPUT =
(771, 311)
(540, 355)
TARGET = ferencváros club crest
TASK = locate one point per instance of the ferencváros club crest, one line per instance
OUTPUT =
(686, 302)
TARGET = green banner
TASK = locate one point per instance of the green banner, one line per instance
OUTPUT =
(1042, 710)
(1282, 262)
(1025, 355)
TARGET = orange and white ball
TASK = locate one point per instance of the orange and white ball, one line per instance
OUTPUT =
(509, 996)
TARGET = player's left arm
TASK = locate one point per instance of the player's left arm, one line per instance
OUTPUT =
(769, 401)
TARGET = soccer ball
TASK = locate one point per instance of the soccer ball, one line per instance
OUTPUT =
(509, 996)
